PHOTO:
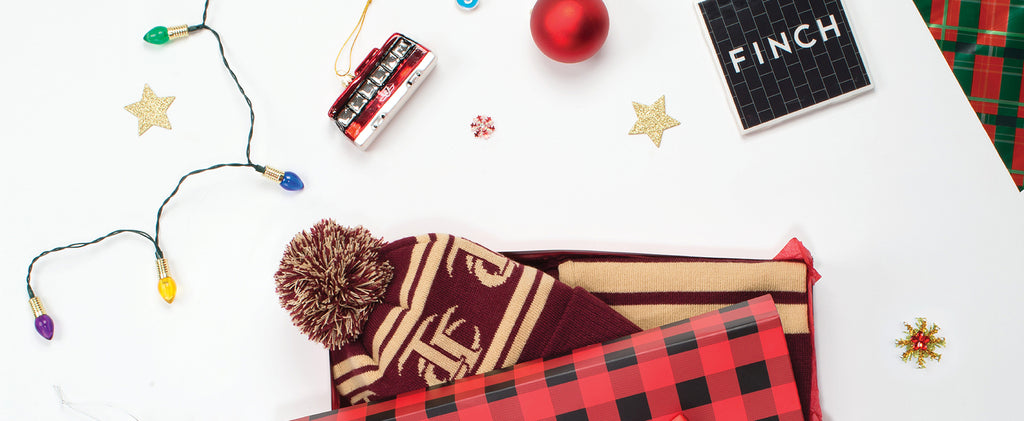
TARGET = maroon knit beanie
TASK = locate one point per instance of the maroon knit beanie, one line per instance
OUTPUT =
(426, 310)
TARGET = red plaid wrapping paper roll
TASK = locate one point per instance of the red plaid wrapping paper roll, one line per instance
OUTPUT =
(652, 290)
(728, 364)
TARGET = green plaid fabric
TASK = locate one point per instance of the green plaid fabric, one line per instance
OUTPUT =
(983, 42)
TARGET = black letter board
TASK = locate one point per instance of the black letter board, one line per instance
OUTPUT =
(780, 57)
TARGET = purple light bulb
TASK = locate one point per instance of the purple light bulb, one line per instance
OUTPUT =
(44, 325)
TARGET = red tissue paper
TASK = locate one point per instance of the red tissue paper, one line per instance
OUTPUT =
(729, 364)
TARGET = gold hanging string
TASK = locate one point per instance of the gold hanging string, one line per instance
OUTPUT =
(353, 36)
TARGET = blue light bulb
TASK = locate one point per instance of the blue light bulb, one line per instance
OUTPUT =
(291, 182)
(287, 179)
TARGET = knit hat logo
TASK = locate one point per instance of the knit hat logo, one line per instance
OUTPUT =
(442, 351)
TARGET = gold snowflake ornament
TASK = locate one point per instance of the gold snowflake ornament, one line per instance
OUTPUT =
(920, 342)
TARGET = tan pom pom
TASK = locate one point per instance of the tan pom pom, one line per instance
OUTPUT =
(329, 280)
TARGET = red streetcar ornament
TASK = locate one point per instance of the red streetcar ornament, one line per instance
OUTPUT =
(383, 82)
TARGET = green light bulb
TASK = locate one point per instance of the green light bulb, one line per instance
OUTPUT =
(157, 35)
(162, 34)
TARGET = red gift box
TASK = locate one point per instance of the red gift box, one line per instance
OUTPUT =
(730, 364)
(791, 291)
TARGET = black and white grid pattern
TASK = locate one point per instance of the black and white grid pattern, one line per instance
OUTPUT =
(793, 81)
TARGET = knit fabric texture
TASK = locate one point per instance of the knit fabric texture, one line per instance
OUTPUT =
(456, 309)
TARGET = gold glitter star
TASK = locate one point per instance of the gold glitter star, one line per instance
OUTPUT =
(151, 110)
(652, 120)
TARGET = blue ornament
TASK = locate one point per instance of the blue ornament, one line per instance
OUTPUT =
(467, 4)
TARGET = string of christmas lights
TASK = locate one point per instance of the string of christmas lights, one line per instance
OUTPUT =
(166, 285)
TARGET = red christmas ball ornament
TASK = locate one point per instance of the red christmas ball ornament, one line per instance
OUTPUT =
(569, 31)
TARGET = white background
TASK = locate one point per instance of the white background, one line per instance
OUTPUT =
(898, 193)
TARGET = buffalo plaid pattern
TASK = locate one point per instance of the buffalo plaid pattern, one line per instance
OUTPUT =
(730, 364)
(983, 42)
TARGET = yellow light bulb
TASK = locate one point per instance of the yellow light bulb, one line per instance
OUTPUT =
(166, 286)
(167, 289)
